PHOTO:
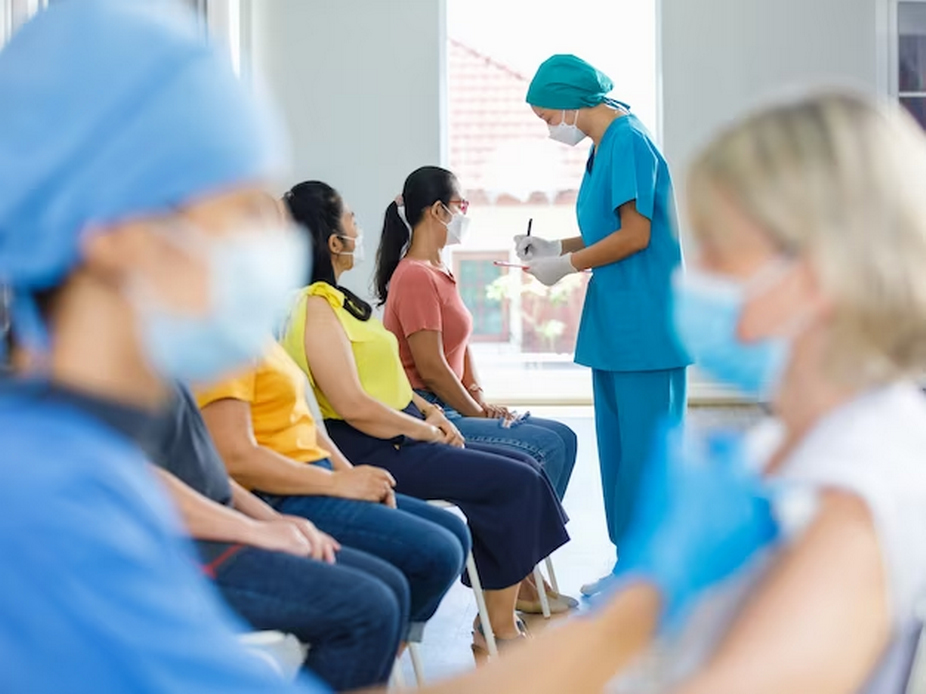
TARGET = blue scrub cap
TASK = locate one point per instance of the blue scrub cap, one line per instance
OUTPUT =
(567, 82)
(114, 109)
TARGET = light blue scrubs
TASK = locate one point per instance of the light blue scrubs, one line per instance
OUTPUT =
(98, 592)
(625, 335)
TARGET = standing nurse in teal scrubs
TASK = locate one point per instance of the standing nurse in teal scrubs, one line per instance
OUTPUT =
(626, 213)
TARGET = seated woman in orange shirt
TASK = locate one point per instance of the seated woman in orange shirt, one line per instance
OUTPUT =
(373, 415)
(263, 429)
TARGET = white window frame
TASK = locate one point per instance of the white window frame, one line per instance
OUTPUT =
(889, 25)
(224, 22)
(15, 13)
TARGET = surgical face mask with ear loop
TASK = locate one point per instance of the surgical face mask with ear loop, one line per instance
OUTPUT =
(707, 312)
(251, 278)
(566, 133)
(456, 227)
(359, 252)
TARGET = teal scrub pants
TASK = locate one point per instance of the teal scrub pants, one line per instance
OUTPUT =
(629, 406)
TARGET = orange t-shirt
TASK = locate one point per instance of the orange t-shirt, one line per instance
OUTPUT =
(422, 297)
(280, 416)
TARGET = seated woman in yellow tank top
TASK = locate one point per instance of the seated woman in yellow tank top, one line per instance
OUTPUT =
(373, 415)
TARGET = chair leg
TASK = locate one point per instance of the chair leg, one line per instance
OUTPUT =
(397, 679)
(542, 592)
(481, 606)
(415, 656)
(553, 584)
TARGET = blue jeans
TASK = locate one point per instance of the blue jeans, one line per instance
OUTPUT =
(550, 443)
(348, 612)
(428, 545)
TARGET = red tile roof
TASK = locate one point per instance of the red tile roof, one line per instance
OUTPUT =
(499, 149)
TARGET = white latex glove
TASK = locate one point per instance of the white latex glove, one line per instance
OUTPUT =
(531, 247)
(551, 270)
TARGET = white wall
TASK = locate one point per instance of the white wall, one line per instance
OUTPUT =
(361, 84)
(720, 57)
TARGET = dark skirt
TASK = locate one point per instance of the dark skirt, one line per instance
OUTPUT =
(514, 516)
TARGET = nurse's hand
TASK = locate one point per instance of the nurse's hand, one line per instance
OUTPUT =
(531, 247)
(701, 516)
(551, 270)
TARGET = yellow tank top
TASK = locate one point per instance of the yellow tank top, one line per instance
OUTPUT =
(376, 351)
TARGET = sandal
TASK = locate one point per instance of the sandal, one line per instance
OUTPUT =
(558, 604)
(480, 647)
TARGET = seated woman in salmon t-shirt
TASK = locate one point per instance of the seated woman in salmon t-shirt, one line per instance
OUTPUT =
(373, 415)
(425, 311)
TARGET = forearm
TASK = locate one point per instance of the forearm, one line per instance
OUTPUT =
(338, 460)
(382, 422)
(580, 657)
(611, 249)
(256, 467)
(443, 382)
(205, 519)
(470, 377)
(251, 505)
(572, 245)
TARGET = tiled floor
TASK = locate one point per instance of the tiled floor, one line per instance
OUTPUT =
(446, 647)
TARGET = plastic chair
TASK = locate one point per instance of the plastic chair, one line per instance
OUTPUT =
(473, 574)
(281, 651)
(476, 585)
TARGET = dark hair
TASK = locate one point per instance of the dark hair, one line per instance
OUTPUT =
(422, 189)
(45, 301)
(6, 331)
(318, 207)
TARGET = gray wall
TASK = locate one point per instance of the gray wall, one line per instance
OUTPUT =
(360, 83)
(721, 57)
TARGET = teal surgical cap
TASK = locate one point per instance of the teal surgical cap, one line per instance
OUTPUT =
(567, 82)
(113, 109)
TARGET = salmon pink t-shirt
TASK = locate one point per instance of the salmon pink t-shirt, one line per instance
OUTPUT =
(422, 297)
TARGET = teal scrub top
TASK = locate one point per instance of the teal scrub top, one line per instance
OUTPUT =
(626, 318)
(98, 591)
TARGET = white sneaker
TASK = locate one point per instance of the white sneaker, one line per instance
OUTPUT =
(590, 589)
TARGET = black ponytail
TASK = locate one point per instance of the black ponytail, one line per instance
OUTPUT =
(422, 188)
(318, 207)
(392, 244)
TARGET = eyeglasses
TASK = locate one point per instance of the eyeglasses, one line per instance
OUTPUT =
(358, 239)
(463, 203)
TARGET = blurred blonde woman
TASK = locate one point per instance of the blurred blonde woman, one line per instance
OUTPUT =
(808, 287)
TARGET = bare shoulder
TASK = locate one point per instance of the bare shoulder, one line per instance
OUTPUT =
(319, 308)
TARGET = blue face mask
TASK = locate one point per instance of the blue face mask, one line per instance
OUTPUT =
(707, 310)
(252, 276)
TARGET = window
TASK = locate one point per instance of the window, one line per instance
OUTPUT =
(222, 17)
(525, 333)
(911, 59)
(476, 274)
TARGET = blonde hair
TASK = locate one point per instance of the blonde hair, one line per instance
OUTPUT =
(841, 182)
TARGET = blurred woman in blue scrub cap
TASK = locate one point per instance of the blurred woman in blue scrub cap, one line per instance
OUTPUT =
(138, 247)
(626, 213)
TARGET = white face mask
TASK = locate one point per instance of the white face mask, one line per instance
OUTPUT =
(456, 228)
(251, 277)
(359, 252)
(566, 133)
